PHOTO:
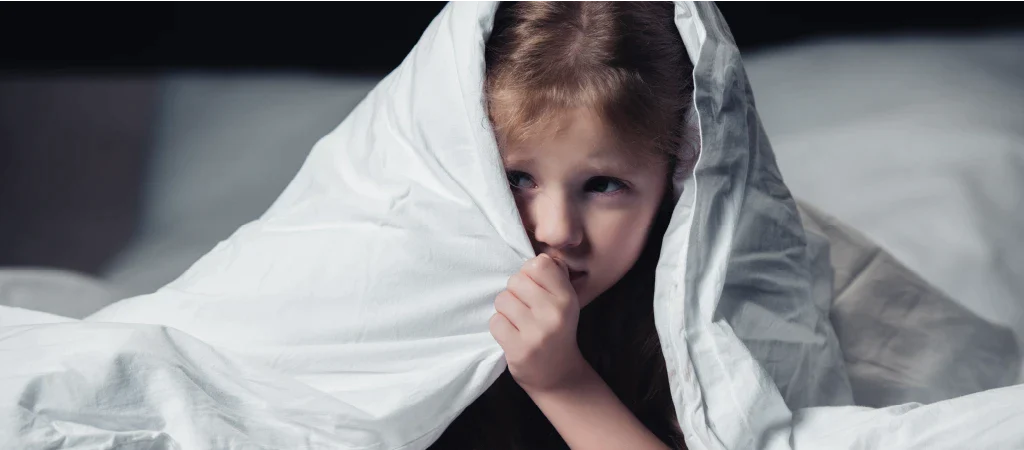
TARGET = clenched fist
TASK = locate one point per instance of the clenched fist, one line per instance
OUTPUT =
(535, 324)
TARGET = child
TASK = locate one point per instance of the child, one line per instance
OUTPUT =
(587, 101)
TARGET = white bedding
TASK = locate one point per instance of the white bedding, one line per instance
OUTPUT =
(281, 377)
(918, 142)
(904, 340)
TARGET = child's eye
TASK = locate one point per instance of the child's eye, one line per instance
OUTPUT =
(520, 180)
(605, 185)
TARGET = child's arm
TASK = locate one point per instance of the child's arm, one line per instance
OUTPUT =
(588, 415)
(535, 324)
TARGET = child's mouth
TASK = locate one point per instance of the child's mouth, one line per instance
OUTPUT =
(576, 274)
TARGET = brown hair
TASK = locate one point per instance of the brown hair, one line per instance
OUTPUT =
(626, 61)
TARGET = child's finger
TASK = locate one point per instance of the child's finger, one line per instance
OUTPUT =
(512, 308)
(549, 275)
(502, 329)
(524, 288)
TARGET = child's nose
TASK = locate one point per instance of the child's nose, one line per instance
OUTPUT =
(556, 223)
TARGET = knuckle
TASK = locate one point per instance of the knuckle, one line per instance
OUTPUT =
(496, 322)
(494, 326)
(542, 263)
(504, 301)
(515, 281)
(557, 319)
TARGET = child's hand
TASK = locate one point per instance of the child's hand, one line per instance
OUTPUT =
(536, 325)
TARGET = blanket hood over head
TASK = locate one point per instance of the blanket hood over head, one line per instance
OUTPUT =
(354, 312)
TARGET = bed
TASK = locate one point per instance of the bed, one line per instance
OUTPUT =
(908, 151)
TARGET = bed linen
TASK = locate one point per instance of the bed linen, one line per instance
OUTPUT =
(916, 142)
(263, 342)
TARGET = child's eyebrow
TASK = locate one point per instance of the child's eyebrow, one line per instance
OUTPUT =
(607, 154)
(614, 159)
(513, 160)
(602, 160)
(611, 166)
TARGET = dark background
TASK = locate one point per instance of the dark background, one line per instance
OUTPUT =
(373, 38)
(79, 87)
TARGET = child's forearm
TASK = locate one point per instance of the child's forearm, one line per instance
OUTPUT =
(588, 415)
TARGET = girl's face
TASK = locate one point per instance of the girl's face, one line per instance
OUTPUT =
(584, 200)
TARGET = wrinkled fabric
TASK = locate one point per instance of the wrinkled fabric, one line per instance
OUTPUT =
(353, 313)
(903, 340)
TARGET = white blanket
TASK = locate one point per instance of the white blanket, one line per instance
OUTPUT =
(353, 313)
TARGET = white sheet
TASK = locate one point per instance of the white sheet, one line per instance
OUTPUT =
(903, 339)
(918, 143)
(351, 316)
